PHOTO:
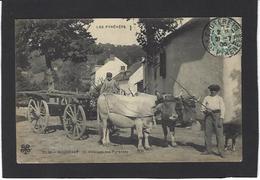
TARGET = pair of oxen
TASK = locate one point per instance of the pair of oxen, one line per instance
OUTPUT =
(109, 114)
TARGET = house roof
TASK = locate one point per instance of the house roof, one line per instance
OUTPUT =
(187, 26)
(95, 68)
(129, 72)
(111, 58)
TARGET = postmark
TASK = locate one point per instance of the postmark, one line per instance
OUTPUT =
(222, 37)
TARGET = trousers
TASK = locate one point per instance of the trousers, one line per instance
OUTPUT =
(213, 123)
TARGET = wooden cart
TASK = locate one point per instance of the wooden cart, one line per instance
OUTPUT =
(71, 107)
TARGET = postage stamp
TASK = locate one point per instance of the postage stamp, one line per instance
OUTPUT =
(222, 37)
(103, 90)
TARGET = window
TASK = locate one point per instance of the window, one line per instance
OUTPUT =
(122, 68)
(163, 64)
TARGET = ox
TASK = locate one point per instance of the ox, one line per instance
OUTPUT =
(126, 112)
(171, 109)
(165, 112)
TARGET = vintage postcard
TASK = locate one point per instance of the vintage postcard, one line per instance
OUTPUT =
(129, 90)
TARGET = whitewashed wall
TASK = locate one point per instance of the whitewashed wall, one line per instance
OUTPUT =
(136, 77)
(124, 86)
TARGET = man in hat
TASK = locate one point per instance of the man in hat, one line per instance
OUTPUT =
(214, 109)
(109, 85)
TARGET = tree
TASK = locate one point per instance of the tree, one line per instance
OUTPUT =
(72, 76)
(67, 39)
(152, 33)
(128, 53)
(21, 50)
(23, 82)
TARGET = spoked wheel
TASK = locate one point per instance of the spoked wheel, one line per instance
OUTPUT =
(38, 115)
(64, 101)
(74, 121)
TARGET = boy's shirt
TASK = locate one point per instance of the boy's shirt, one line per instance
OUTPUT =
(214, 103)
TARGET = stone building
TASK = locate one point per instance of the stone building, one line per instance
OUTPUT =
(184, 58)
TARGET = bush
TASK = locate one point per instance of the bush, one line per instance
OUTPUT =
(23, 82)
(71, 77)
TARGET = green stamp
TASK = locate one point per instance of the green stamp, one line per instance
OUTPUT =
(222, 37)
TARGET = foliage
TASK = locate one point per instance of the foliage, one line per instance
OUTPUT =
(127, 53)
(67, 39)
(236, 76)
(72, 76)
(21, 50)
(23, 82)
(152, 33)
(41, 42)
(37, 63)
(94, 94)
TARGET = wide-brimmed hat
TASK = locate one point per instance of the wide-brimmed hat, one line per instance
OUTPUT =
(214, 87)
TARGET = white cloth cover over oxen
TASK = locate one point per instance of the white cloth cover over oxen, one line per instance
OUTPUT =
(137, 106)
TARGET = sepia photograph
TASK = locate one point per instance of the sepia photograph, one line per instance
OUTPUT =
(128, 90)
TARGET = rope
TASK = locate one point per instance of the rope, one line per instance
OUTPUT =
(188, 92)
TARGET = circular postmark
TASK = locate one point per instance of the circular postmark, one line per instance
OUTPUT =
(222, 37)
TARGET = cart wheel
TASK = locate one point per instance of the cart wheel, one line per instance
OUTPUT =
(64, 101)
(74, 121)
(38, 115)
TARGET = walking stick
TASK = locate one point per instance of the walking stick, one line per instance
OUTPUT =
(207, 109)
(188, 92)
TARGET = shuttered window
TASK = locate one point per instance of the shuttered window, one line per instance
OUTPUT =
(163, 64)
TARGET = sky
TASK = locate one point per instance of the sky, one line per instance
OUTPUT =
(114, 31)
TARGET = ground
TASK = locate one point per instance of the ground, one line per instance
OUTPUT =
(55, 147)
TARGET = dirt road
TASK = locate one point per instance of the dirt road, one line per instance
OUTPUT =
(55, 147)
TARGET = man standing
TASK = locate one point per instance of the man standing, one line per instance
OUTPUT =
(214, 110)
(109, 85)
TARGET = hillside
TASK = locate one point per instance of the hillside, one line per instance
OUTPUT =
(70, 75)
